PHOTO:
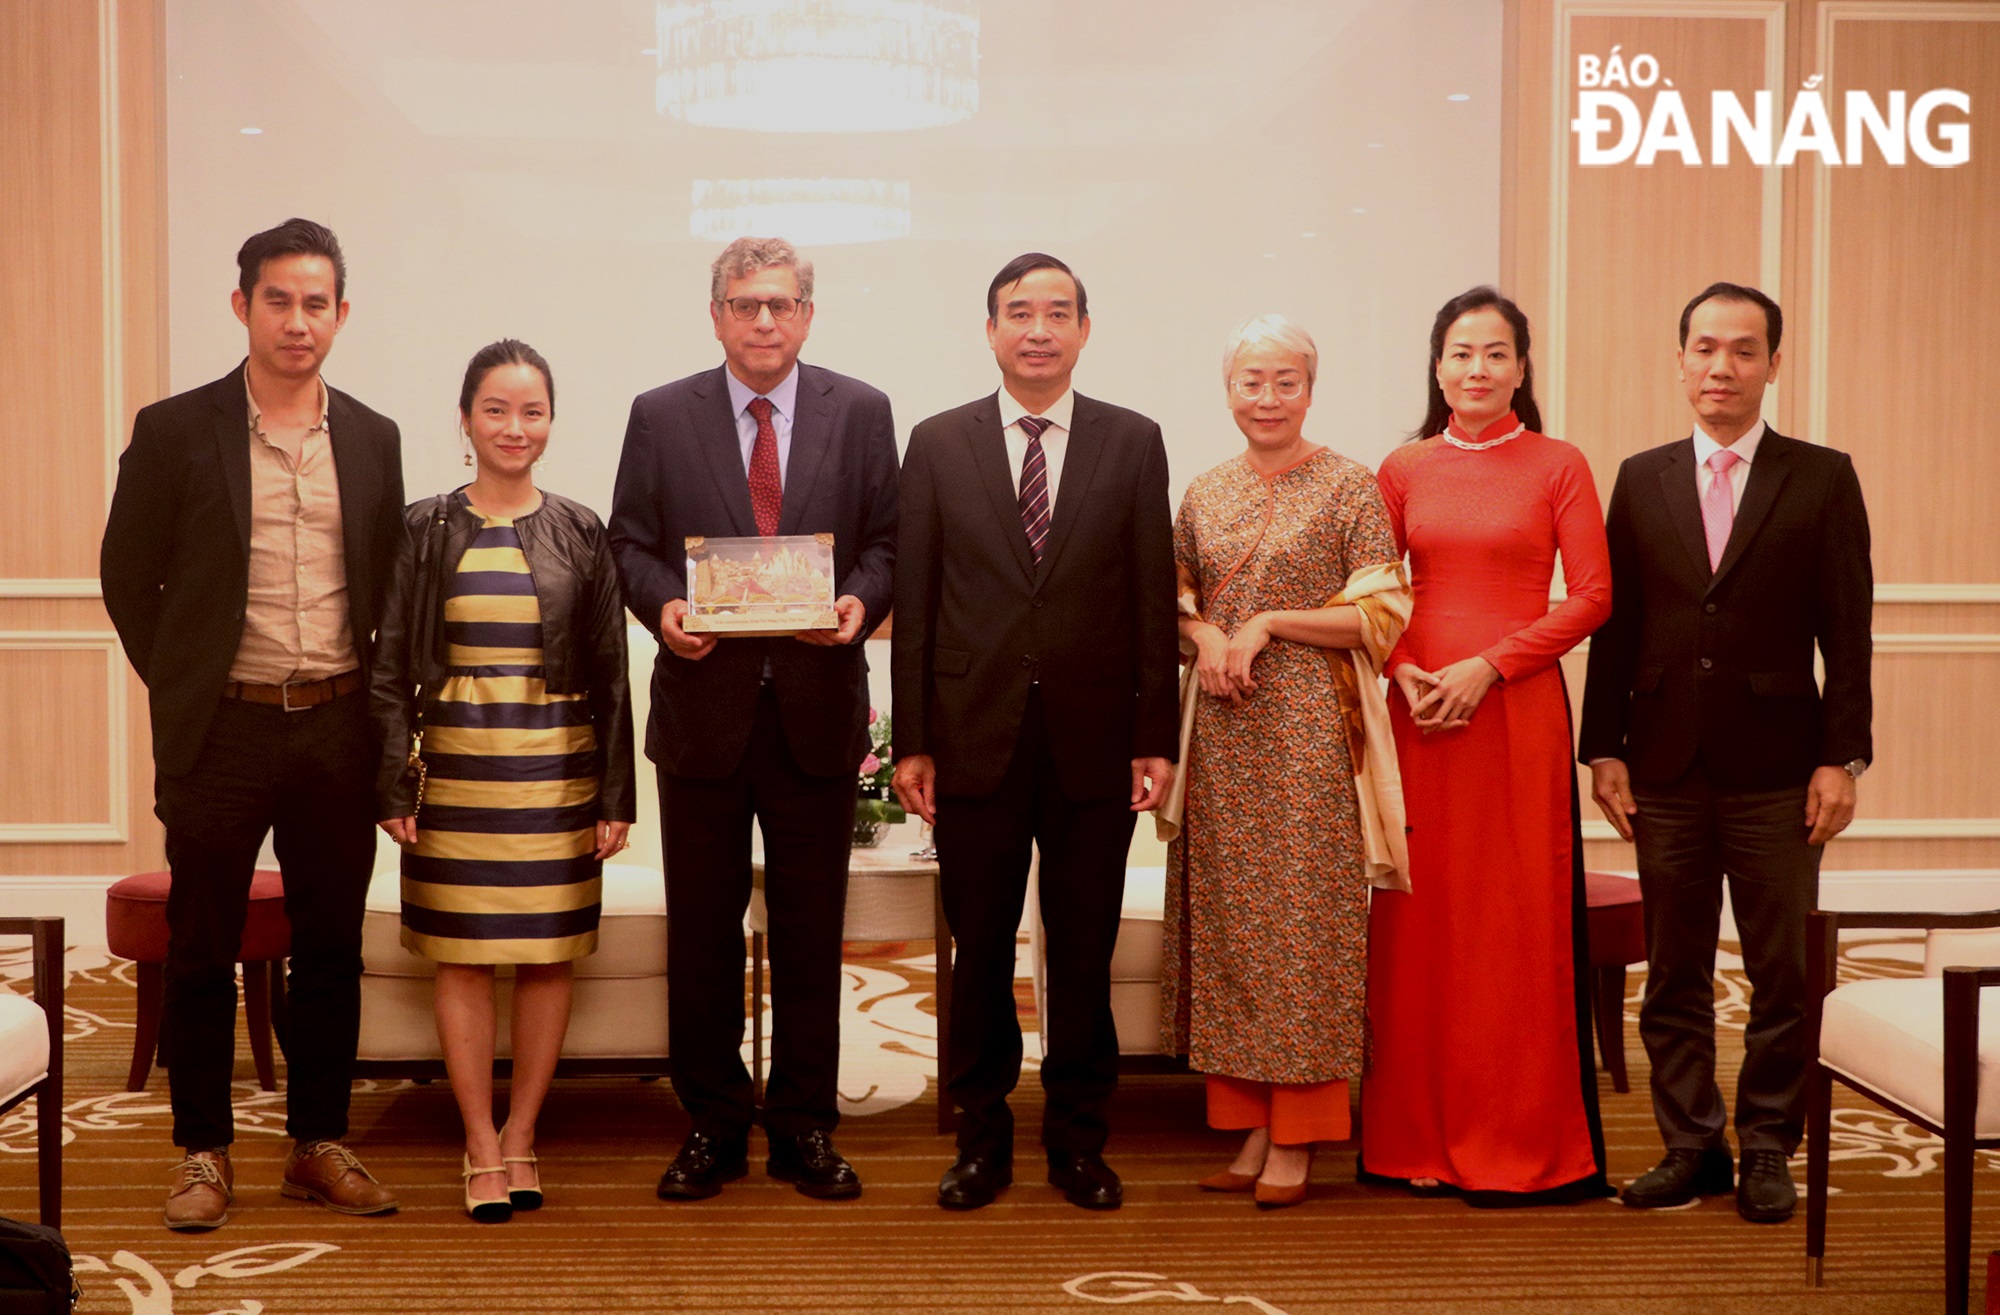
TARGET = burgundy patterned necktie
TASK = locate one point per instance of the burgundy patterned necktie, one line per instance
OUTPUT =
(767, 494)
(1035, 487)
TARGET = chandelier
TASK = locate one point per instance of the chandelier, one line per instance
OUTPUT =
(818, 65)
(809, 211)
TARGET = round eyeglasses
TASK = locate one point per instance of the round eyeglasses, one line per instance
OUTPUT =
(781, 308)
(1288, 389)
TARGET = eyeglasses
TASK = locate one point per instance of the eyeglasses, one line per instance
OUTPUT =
(1288, 389)
(781, 308)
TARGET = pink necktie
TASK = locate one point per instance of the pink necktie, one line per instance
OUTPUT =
(767, 496)
(1718, 505)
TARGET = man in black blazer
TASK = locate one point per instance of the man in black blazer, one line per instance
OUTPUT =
(743, 728)
(1733, 553)
(1034, 670)
(251, 533)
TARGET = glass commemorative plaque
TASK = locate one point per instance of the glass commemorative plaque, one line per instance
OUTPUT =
(763, 586)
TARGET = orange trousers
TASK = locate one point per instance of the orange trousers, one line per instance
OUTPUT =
(1296, 1113)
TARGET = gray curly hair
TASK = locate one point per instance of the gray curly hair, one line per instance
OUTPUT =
(746, 255)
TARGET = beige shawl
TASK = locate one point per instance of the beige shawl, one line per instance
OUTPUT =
(1382, 595)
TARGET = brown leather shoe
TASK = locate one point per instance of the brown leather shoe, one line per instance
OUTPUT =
(329, 1173)
(199, 1197)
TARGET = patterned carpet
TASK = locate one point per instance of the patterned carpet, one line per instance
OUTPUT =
(604, 1244)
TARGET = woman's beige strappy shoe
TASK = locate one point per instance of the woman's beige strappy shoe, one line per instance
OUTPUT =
(485, 1209)
(524, 1198)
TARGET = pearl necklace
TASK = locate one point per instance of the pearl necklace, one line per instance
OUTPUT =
(1463, 444)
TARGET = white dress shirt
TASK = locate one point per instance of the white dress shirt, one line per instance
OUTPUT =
(1739, 474)
(784, 407)
(1055, 439)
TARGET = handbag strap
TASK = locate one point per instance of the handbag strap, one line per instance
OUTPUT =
(429, 586)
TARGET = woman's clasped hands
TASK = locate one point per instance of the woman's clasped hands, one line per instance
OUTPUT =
(1445, 699)
(1223, 662)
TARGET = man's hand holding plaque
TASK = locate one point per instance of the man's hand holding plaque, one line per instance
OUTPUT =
(692, 647)
(853, 614)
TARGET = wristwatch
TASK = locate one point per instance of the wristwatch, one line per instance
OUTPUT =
(1855, 768)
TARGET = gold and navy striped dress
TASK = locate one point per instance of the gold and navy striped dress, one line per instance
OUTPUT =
(503, 868)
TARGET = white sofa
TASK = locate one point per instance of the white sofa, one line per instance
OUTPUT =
(618, 1023)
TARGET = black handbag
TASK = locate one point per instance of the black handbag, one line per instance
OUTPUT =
(36, 1277)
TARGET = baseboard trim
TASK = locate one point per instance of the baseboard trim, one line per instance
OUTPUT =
(78, 901)
(1894, 890)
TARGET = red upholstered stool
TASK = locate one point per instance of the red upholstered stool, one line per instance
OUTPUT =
(1617, 938)
(135, 924)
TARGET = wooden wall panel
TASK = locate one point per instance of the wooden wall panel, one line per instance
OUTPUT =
(1634, 243)
(82, 272)
(1935, 717)
(51, 289)
(1911, 285)
(59, 730)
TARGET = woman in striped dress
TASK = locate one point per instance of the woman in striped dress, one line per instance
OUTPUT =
(501, 668)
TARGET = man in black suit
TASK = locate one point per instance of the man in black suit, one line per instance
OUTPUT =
(250, 536)
(1034, 670)
(1733, 553)
(770, 729)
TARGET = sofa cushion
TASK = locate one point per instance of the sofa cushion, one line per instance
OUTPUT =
(610, 1018)
(24, 1044)
(1888, 1036)
(631, 934)
(1137, 955)
(1135, 1009)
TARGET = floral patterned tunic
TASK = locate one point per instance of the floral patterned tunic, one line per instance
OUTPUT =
(1267, 898)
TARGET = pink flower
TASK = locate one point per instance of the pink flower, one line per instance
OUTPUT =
(873, 716)
(870, 765)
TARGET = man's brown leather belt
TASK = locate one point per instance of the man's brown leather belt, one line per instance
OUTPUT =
(298, 695)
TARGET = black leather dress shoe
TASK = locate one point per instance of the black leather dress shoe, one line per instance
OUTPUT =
(704, 1164)
(1086, 1180)
(1764, 1190)
(809, 1163)
(1679, 1178)
(973, 1181)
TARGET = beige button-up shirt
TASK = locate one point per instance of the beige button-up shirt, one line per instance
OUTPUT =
(295, 624)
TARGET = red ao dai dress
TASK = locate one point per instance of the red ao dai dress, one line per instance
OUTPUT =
(1481, 1073)
(1264, 983)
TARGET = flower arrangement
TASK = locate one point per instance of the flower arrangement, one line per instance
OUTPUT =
(876, 808)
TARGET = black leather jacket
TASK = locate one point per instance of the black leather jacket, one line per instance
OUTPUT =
(583, 636)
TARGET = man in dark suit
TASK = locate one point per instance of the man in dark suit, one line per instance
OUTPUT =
(250, 536)
(1733, 553)
(743, 728)
(1034, 669)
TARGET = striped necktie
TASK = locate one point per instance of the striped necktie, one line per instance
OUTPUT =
(1035, 487)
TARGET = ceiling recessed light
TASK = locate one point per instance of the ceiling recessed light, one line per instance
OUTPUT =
(1458, 95)
(253, 132)
(1377, 146)
(1360, 210)
(650, 50)
(1308, 235)
(1270, 255)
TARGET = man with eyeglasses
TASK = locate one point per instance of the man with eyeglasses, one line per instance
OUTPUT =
(1034, 668)
(752, 728)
